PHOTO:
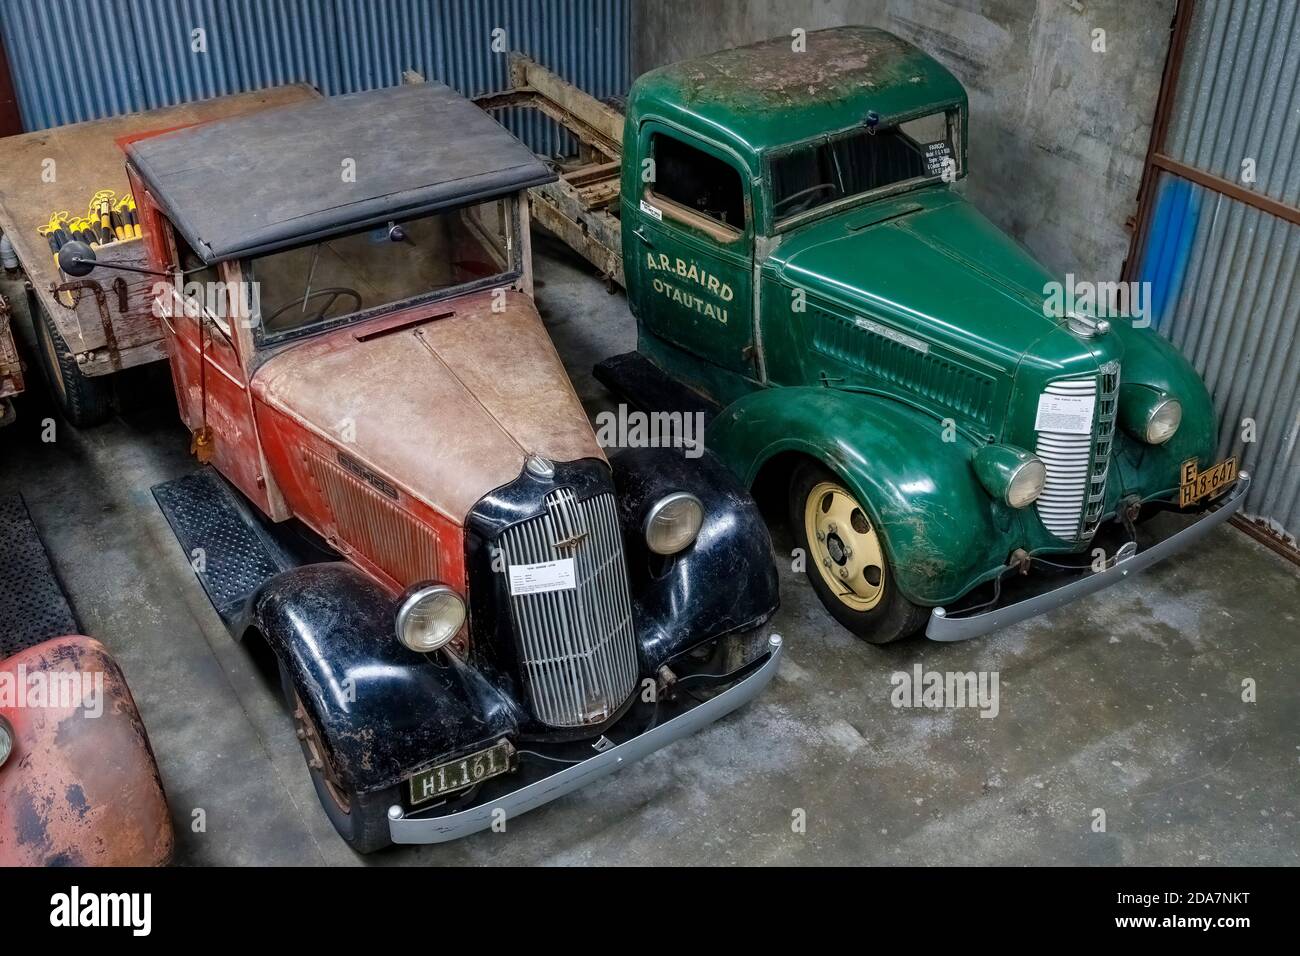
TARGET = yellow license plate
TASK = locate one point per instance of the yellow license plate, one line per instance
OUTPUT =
(1205, 484)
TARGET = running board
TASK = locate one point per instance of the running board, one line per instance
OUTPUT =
(33, 607)
(635, 378)
(230, 551)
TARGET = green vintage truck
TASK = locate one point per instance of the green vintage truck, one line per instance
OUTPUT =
(805, 272)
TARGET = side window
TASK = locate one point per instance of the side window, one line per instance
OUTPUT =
(703, 191)
(201, 289)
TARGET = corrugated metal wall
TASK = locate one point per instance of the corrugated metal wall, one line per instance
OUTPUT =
(75, 60)
(1225, 284)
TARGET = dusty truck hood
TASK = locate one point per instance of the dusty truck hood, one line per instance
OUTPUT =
(447, 409)
(934, 266)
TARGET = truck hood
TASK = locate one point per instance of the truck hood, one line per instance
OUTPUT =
(447, 408)
(931, 264)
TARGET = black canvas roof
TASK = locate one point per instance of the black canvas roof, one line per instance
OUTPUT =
(276, 178)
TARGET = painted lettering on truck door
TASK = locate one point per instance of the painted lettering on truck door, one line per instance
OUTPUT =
(694, 255)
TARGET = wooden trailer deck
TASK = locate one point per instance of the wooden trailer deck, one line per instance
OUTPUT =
(106, 324)
(582, 206)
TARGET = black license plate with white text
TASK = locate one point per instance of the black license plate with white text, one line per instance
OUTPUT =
(462, 772)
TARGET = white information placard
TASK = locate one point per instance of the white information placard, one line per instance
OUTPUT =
(1069, 414)
(542, 577)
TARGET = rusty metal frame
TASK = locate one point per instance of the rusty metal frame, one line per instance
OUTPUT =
(11, 120)
(1179, 27)
(1157, 160)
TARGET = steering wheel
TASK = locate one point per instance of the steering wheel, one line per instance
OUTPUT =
(810, 191)
(334, 295)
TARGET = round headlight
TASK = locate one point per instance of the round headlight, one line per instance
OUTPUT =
(6, 741)
(429, 617)
(673, 523)
(1010, 474)
(1164, 421)
(1026, 483)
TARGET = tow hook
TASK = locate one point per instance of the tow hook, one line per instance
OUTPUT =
(666, 678)
(1127, 512)
(1020, 560)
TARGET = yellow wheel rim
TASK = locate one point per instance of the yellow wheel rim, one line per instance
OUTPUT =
(844, 546)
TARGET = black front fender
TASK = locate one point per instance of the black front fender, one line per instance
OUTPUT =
(383, 710)
(726, 581)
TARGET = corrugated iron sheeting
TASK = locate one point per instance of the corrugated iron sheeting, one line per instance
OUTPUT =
(148, 59)
(1238, 95)
(1225, 284)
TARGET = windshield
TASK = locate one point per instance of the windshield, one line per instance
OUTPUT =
(825, 172)
(355, 276)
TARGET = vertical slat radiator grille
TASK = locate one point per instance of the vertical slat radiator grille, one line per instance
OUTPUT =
(375, 526)
(1077, 465)
(577, 645)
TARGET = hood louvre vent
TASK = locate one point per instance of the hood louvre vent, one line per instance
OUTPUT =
(375, 527)
(901, 361)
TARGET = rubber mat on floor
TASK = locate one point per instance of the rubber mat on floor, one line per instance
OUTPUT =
(228, 551)
(33, 607)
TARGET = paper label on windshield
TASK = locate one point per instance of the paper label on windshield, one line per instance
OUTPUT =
(542, 577)
(1070, 414)
(937, 156)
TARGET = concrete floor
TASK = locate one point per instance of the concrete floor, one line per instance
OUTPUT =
(1129, 701)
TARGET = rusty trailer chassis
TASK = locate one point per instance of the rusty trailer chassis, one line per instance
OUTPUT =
(581, 207)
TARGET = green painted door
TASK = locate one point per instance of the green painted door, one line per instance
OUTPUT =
(694, 249)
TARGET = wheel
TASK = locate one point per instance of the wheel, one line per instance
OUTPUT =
(361, 819)
(84, 401)
(847, 561)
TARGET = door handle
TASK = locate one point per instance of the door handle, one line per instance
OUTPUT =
(645, 240)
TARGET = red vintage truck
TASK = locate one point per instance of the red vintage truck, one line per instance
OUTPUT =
(473, 609)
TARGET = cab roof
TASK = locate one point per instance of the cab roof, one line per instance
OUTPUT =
(276, 178)
(766, 95)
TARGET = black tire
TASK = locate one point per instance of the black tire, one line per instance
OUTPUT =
(893, 617)
(361, 819)
(85, 402)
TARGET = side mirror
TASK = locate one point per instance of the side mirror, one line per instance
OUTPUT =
(76, 259)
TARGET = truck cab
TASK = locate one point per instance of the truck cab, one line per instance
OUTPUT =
(801, 260)
(471, 608)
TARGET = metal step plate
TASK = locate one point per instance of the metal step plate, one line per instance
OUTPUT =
(33, 607)
(222, 541)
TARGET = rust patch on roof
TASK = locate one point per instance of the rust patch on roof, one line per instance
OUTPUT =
(771, 74)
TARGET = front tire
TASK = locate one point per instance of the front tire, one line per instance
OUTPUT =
(84, 401)
(361, 819)
(848, 565)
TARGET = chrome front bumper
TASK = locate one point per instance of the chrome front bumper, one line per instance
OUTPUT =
(453, 826)
(945, 628)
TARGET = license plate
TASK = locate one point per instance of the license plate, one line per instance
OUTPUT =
(1205, 484)
(462, 772)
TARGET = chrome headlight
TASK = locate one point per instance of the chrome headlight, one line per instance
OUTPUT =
(1149, 414)
(1026, 483)
(673, 522)
(6, 740)
(1011, 474)
(429, 617)
(1163, 421)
